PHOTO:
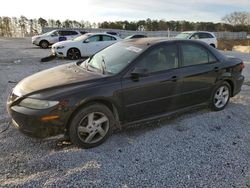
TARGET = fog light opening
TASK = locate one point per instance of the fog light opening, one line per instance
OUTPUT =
(50, 117)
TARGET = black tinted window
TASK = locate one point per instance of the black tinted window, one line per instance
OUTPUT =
(72, 32)
(107, 38)
(205, 35)
(195, 54)
(95, 38)
(64, 33)
(161, 58)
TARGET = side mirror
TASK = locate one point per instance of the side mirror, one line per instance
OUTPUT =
(86, 41)
(138, 72)
(192, 38)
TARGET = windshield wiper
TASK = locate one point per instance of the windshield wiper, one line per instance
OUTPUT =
(103, 65)
(86, 64)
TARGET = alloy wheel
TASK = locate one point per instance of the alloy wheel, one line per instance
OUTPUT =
(74, 54)
(93, 127)
(221, 96)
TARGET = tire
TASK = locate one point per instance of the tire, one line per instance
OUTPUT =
(44, 44)
(91, 126)
(221, 96)
(73, 53)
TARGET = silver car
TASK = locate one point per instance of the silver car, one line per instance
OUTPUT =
(47, 39)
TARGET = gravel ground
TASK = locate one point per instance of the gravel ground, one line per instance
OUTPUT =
(198, 149)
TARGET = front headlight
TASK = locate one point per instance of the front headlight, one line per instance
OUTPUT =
(37, 104)
(60, 47)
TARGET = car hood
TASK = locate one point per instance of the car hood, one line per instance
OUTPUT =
(54, 77)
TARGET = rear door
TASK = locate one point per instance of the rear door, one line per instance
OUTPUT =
(156, 92)
(199, 69)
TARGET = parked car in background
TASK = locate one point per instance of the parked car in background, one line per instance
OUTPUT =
(204, 36)
(135, 36)
(127, 82)
(112, 33)
(49, 38)
(83, 46)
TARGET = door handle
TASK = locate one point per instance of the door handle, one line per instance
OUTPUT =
(174, 78)
(216, 69)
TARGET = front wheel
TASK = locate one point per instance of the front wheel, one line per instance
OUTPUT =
(44, 44)
(91, 126)
(73, 54)
(221, 96)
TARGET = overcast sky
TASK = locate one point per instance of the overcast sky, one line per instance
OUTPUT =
(131, 10)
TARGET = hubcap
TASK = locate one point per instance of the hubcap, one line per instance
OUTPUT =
(44, 45)
(221, 96)
(74, 54)
(93, 127)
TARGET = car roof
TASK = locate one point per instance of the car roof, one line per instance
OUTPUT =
(100, 33)
(148, 41)
(196, 32)
(63, 29)
(151, 41)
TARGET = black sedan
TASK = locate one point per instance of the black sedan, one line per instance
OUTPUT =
(130, 81)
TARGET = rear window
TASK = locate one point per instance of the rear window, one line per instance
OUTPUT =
(205, 35)
(107, 38)
(64, 33)
(195, 55)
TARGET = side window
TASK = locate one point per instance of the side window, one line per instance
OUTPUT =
(195, 36)
(163, 57)
(95, 38)
(107, 38)
(66, 33)
(195, 55)
(62, 33)
(205, 35)
(209, 35)
(72, 33)
(54, 34)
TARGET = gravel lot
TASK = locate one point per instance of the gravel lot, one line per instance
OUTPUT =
(198, 149)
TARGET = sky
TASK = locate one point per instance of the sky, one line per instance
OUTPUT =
(120, 10)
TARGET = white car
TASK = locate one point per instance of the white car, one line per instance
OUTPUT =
(204, 36)
(47, 39)
(83, 46)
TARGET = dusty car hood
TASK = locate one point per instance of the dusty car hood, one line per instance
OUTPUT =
(54, 77)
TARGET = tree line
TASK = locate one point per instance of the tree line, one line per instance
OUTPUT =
(22, 26)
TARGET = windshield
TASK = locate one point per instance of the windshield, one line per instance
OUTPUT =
(50, 33)
(114, 58)
(82, 37)
(183, 36)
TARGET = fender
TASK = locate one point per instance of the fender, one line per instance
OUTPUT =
(228, 77)
(115, 107)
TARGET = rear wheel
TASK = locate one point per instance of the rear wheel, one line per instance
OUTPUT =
(91, 126)
(73, 53)
(44, 44)
(221, 96)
